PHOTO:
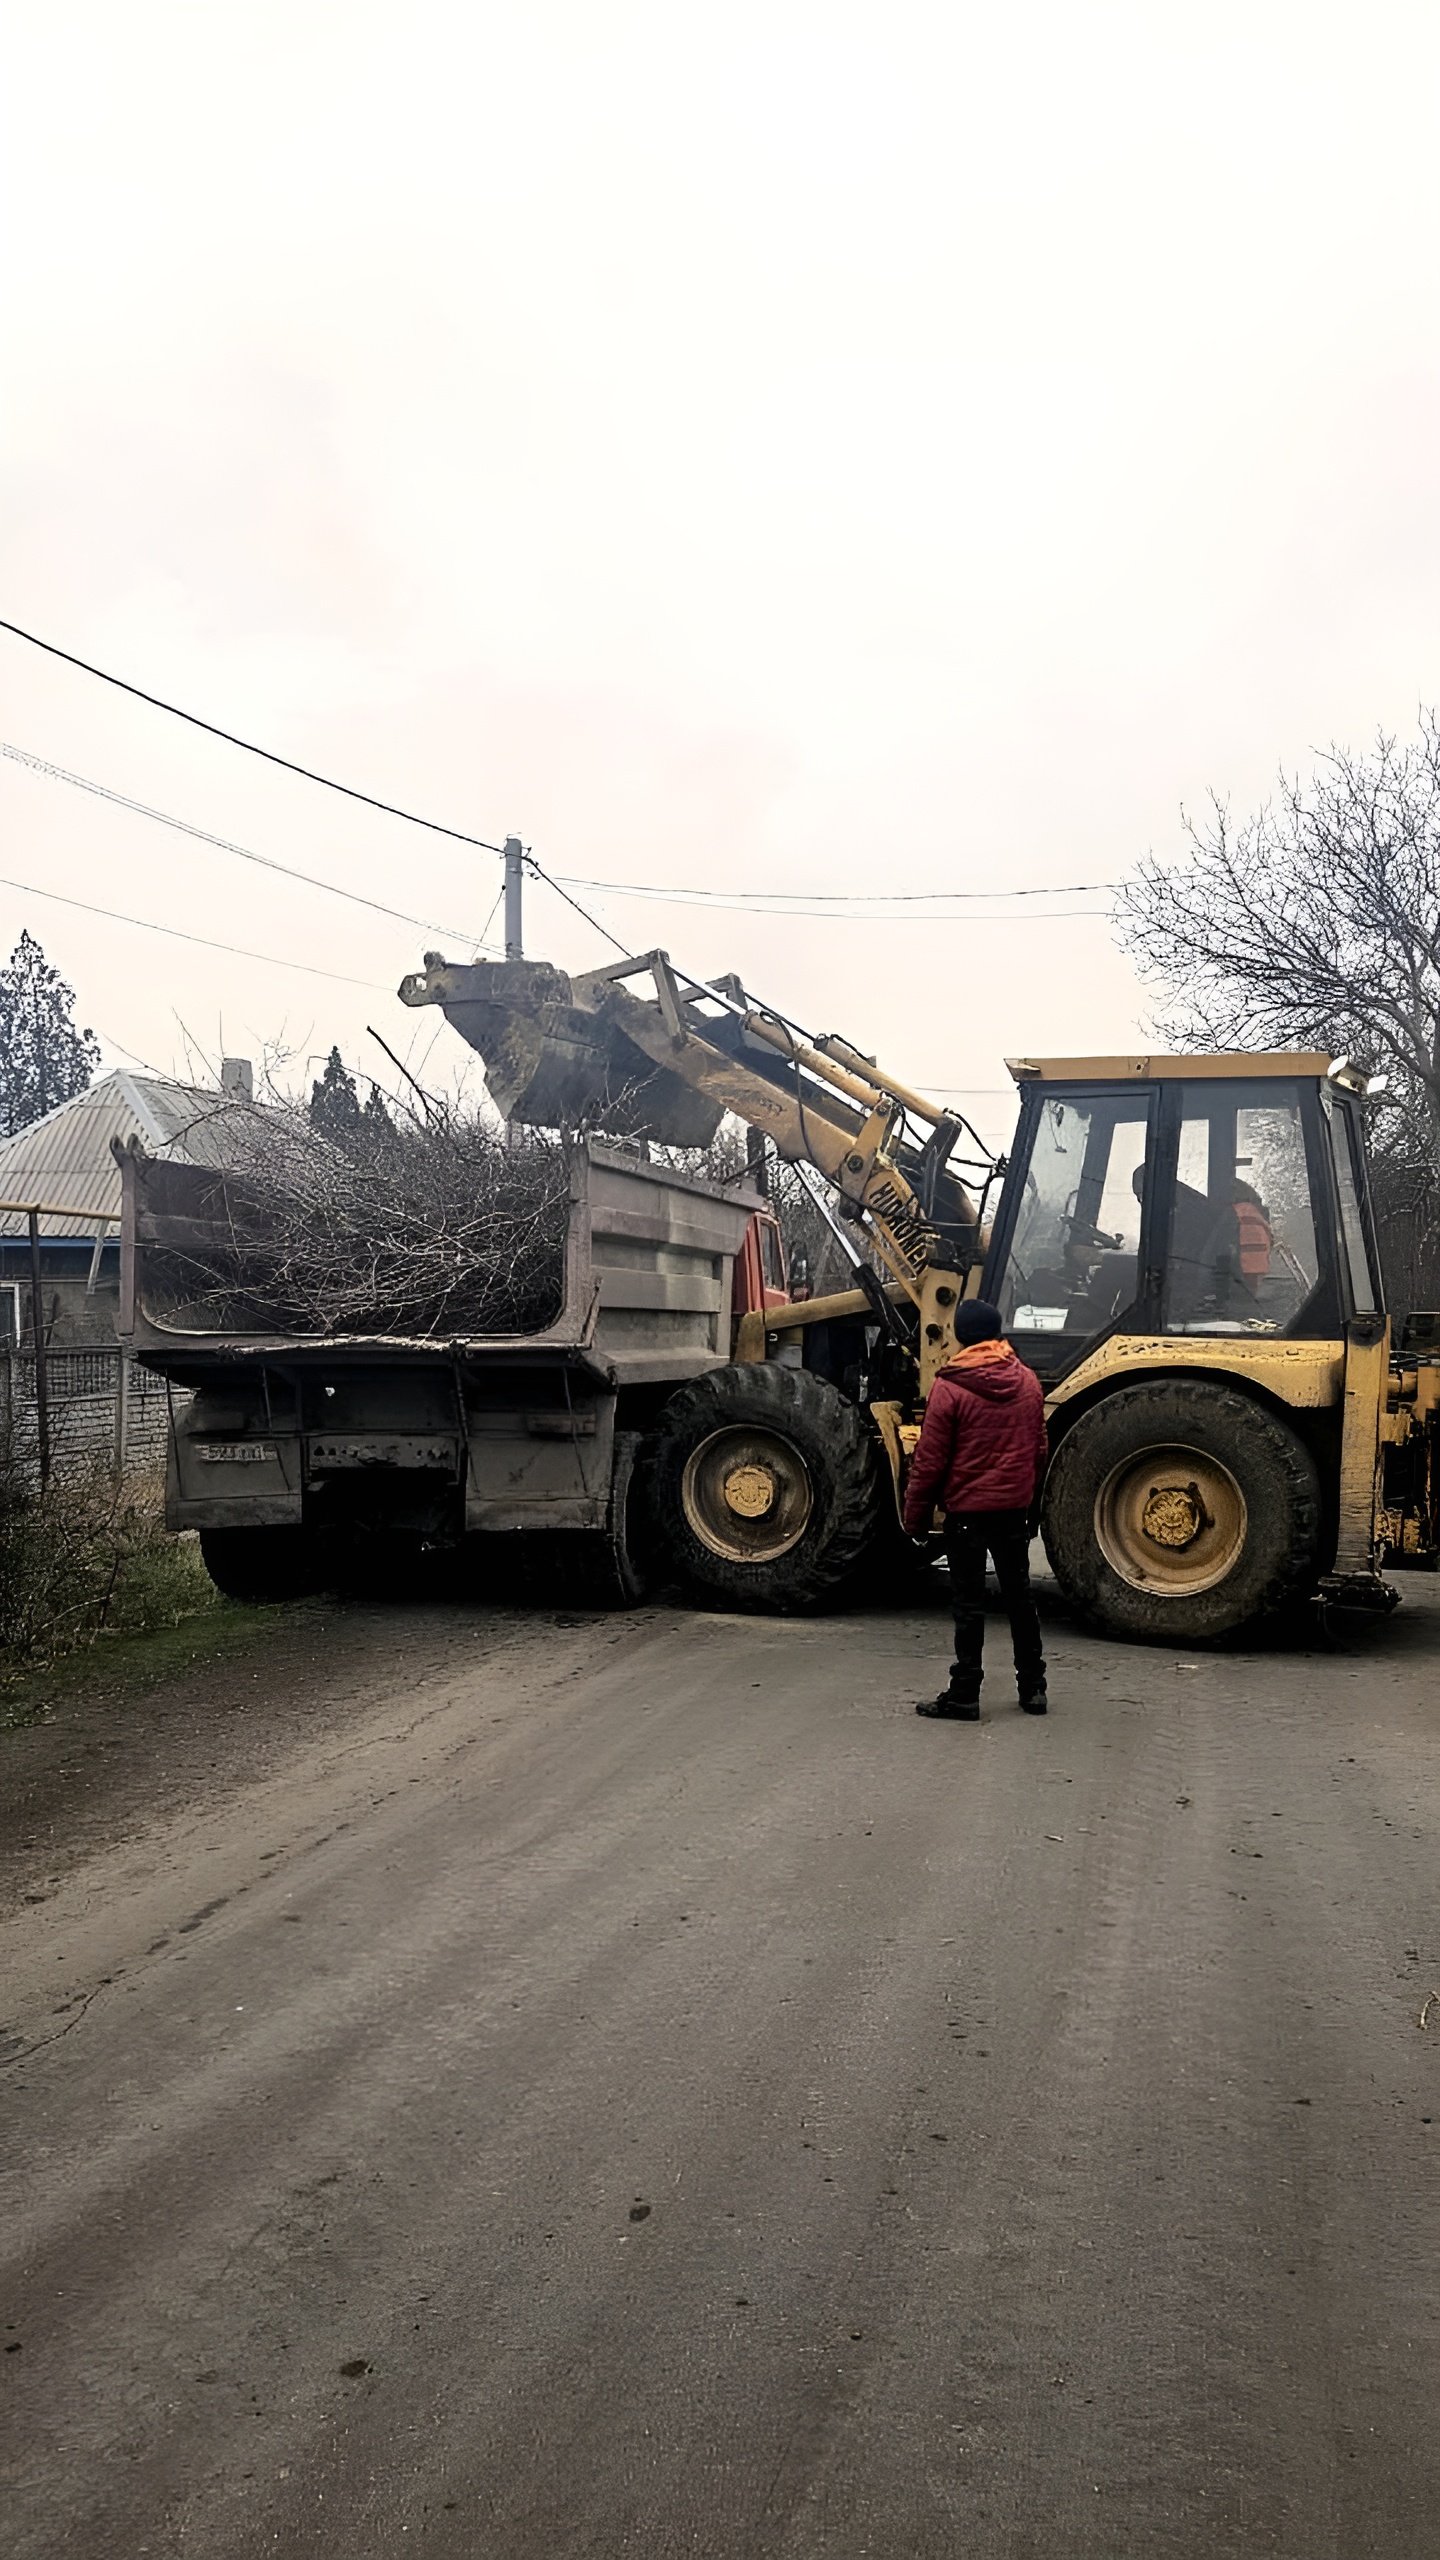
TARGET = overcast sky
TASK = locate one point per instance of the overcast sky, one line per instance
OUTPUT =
(791, 446)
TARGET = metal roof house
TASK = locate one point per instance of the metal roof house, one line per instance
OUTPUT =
(66, 1158)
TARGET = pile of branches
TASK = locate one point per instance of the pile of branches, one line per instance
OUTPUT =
(434, 1227)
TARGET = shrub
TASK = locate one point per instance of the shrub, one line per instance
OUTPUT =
(88, 1557)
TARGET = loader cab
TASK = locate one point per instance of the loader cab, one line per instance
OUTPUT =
(1185, 1196)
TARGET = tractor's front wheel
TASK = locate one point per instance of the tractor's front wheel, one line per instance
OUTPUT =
(1178, 1513)
(766, 1488)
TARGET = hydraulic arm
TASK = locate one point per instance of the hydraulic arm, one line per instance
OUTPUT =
(572, 1052)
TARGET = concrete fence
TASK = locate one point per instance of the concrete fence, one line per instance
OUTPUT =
(100, 1405)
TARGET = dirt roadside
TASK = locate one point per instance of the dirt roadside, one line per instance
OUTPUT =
(129, 1737)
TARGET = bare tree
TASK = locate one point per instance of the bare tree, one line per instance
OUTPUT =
(810, 1243)
(1315, 923)
(809, 1239)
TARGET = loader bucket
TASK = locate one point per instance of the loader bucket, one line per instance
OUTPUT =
(555, 1065)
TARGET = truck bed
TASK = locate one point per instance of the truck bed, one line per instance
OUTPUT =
(497, 1431)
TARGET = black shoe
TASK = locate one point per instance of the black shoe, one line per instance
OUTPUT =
(965, 1710)
(1034, 1702)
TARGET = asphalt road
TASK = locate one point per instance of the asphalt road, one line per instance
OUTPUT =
(628, 2087)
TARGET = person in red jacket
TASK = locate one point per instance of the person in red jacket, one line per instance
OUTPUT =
(981, 1458)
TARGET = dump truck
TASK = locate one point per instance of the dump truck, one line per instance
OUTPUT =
(1182, 1247)
(300, 1458)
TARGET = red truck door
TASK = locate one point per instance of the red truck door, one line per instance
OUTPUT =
(760, 1274)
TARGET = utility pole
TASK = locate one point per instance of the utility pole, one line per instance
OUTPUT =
(37, 1332)
(514, 876)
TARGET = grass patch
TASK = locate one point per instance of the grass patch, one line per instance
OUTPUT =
(90, 1563)
(115, 1662)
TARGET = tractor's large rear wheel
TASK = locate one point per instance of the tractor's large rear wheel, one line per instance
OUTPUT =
(1176, 1513)
(766, 1488)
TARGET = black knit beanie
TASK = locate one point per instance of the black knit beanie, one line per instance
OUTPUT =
(977, 1321)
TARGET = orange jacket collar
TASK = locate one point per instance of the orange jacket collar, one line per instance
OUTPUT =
(978, 1355)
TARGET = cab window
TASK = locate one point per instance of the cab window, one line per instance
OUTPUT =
(1241, 1254)
(1073, 1255)
(1349, 1184)
(772, 1259)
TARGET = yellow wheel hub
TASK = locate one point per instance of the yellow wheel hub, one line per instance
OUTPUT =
(750, 1492)
(1172, 1521)
(1172, 1516)
(747, 1495)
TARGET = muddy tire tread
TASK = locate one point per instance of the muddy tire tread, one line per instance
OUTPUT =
(845, 1462)
(1275, 1469)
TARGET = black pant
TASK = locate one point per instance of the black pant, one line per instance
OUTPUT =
(1006, 1534)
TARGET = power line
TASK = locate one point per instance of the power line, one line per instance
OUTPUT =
(158, 703)
(131, 1054)
(146, 924)
(821, 915)
(818, 902)
(223, 844)
(482, 944)
(818, 898)
(841, 910)
(719, 903)
(816, 906)
(593, 921)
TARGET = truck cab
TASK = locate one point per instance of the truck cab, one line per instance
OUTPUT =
(762, 1279)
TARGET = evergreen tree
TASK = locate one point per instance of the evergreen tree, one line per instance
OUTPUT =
(335, 1103)
(379, 1127)
(338, 1113)
(45, 1059)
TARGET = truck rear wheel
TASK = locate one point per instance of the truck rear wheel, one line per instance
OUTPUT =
(262, 1564)
(610, 1568)
(1175, 1513)
(766, 1487)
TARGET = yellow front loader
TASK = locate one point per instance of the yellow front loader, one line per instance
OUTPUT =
(1183, 1248)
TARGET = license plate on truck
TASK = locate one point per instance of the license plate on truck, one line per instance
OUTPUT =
(383, 1449)
(234, 1453)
